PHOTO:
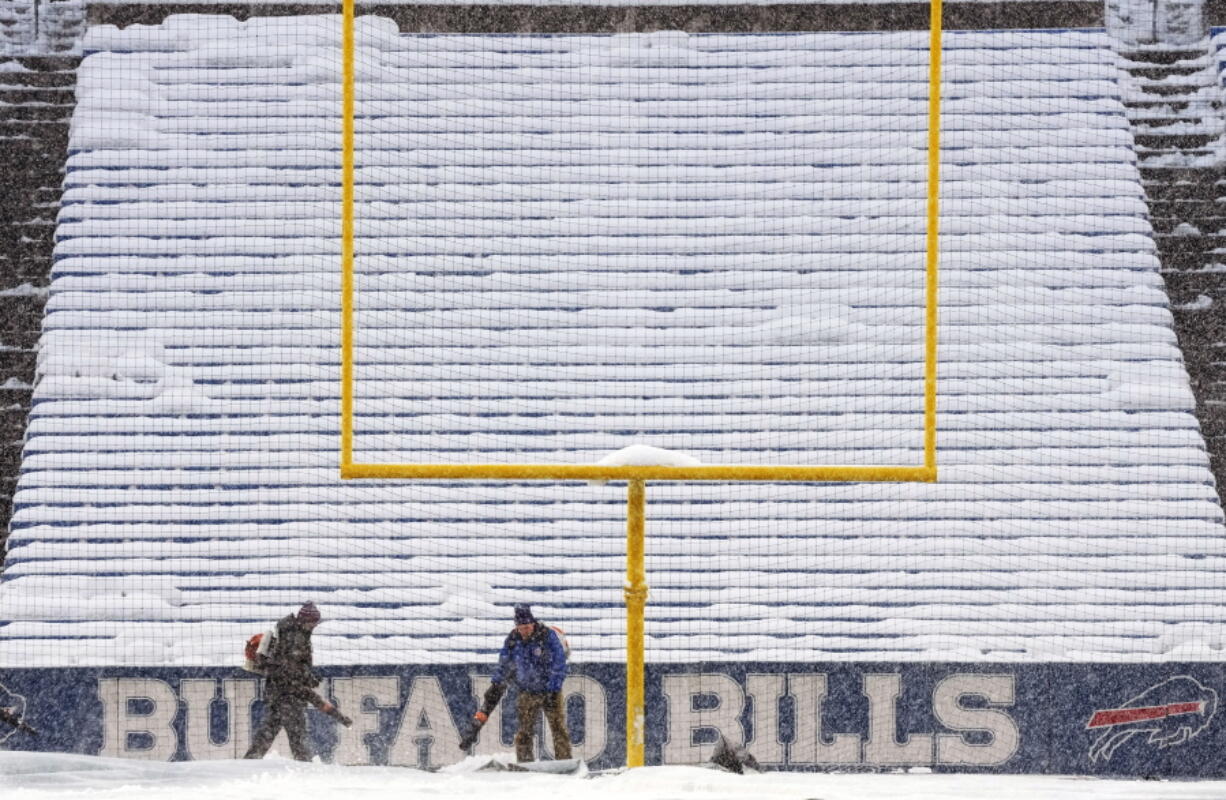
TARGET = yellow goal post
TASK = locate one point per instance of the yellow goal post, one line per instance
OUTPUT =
(637, 475)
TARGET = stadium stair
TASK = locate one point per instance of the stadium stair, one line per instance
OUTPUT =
(41, 27)
(1175, 104)
(36, 103)
(179, 482)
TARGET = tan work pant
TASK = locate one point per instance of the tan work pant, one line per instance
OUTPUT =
(527, 709)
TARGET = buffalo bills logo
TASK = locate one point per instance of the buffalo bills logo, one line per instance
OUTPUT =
(1172, 713)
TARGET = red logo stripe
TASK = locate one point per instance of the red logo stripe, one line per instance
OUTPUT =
(1122, 716)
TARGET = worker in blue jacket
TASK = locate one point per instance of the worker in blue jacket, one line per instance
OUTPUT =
(534, 656)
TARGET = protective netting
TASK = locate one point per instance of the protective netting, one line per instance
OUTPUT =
(706, 244)
(566, 246)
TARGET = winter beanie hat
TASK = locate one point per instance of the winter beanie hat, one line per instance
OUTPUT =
(523, 614)
(308, 614)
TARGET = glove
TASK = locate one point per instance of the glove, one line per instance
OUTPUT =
(335, 713)
(470, 738)
(489, 703)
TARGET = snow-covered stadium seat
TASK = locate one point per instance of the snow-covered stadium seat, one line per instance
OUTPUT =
(180, 485)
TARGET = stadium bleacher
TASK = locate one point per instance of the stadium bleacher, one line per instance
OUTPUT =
(180, 486)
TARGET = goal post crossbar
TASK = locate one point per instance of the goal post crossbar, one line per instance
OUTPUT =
(596, 472)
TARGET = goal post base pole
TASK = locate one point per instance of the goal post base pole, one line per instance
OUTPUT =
(636, 601)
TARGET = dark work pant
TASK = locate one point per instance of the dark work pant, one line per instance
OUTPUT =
(527, 709)
(282, 710)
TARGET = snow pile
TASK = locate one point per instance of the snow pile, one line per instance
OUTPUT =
(93, 598)
(646, 455)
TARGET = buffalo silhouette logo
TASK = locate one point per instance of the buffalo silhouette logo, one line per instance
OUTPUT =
(1172, 713)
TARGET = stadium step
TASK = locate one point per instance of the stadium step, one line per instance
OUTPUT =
(1162, 111)
(24, 148)
(1172, 57)
(51, 136)
(1160, 71)
(1176, 142)
(35, 231)
(12, 393)
(64, 79)
(1182, 208)
(10, 451)
(22, 338)
(1191, 300)
(36, 95)
(1192, 283)
(36, 113)
(1176, 262)
(24, 248)
(1185, 256)
(20, 210)
(1193, 242)
(12, 423)
(48, 65)
(1177, 224)
(11, 278)
(1206, 223)
(25, 270)
(1175, 179)
(18, 364)
(35, 129)
(1205, 313)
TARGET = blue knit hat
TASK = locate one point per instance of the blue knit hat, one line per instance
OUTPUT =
(523, 614)
(308, 614)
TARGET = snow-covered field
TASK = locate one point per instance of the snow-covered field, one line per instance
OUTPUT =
(40, 776)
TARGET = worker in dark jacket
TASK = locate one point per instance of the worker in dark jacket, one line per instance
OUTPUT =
(289, 684)
(534, 656)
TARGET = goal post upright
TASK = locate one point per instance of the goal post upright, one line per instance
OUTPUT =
(347, 268)
(932, 219)
(636, 476)
(636, 603)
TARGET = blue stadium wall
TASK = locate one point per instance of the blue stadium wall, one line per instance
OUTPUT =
(1083, 719)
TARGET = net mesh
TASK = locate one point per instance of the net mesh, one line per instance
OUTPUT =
(566, 246)
(702, 244)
